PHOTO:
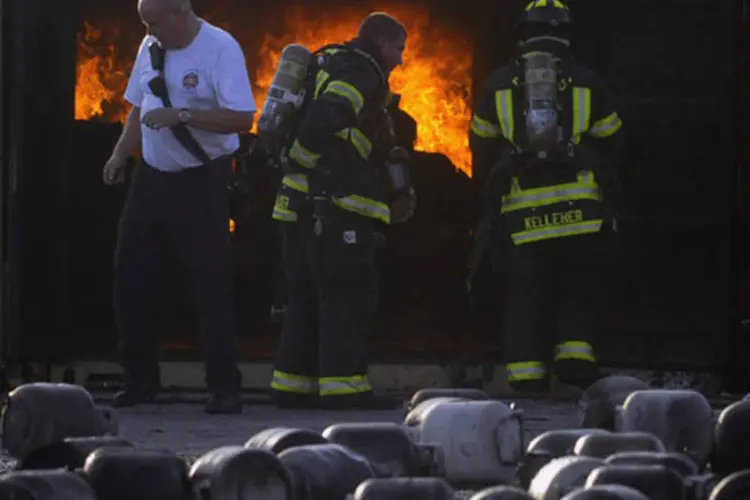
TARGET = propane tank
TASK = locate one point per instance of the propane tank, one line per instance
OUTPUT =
(286, 94)
(39, 414)
(561, 476)
(482, 441)
(45, 485)
(234, 472)
(681, 419)
(543, 131)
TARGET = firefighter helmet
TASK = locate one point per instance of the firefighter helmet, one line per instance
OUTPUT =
(550, 12)
(545, 19)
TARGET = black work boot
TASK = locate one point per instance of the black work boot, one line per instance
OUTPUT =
(224, 403)
(294, 401)
(136, 392)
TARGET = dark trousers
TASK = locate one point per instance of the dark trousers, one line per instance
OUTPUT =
(332, 300)
(181, 215)
(555, 296)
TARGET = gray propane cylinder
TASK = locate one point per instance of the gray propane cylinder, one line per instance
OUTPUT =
(405, 488)
(278, 439)
(44, 485)
(431, 393)
(39, 414)
(130, 473)
(71, 453)
(682, 419)
(285, 94)
(561, 476)
(234, 472)
(325, 471)
(481, 441)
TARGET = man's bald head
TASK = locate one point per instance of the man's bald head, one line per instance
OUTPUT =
(167, 20)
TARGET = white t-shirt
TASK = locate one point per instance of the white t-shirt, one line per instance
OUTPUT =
(209, 73)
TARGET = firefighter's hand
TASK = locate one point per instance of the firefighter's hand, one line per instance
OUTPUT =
(161, 117)
(114, 171)
(403, 206)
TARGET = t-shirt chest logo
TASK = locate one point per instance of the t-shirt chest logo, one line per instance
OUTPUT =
(190, 81)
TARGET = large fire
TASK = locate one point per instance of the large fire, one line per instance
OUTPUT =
(434, 81)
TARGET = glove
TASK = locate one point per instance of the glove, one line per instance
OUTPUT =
(403, 206)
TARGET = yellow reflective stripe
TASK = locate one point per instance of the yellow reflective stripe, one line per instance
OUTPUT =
(347, 91)
(559, 231)
(585, 188)
(320, 79)
(289, 382)
(364, 206)
(298, 182)
(606, 126)
(483, 128)
(544, 3)
(358, 139)
(581, 112)
(339, 386)
(575, 350)
(525, 370)
(303, 156)
(283, 215)
(504, 107)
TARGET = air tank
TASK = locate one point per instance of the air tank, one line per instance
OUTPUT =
(286, 93)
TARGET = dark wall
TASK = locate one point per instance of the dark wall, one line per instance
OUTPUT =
(39, 80)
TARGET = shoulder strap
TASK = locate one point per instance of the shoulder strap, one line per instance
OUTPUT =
(159, 88)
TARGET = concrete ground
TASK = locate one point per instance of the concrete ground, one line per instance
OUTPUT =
(185, 429)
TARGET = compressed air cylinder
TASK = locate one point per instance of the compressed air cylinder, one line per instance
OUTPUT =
(540, 91)
(561, 476)
(278, 439)
(388, 448)
(39, 414)
(233, 472)
(71, 453)
(604, 445)
(482, 441)
(655, 481)
(129, 473)
(44, 485)
(681, 419)
(597, 407)
(284, 96)
(547, 446)
(420, 488)
(325, 471)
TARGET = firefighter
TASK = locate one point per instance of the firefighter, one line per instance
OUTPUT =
(545, 137)
(330, 204)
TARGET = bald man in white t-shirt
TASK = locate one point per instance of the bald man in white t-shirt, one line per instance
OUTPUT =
(178, 204)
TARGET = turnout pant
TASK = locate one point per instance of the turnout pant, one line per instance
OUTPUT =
(554, 298)
(183, 215)
(332, 299)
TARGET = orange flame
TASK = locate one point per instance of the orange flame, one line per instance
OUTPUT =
(434, 81)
